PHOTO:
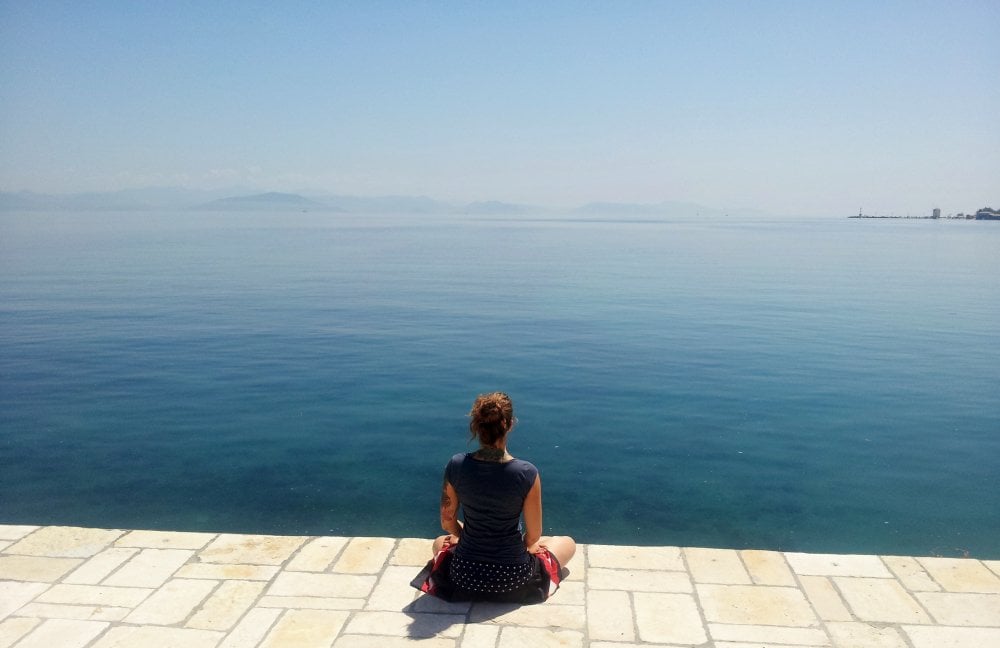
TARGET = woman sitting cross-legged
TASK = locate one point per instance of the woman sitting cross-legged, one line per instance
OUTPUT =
(485, 556)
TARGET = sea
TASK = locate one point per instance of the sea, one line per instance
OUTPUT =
(799, 384)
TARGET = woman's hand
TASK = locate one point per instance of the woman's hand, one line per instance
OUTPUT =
(452, 539)
(537, 547)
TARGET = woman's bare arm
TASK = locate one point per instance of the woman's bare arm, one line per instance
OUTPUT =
(533, 516)
(449, 511)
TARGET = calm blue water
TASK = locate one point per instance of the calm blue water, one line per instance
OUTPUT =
(802, 385)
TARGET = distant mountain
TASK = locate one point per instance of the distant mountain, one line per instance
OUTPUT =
(179, 197)
(386, 204)
(272, 201)
(145, 199)
(244, 199)
(231, 199)
(495, 207)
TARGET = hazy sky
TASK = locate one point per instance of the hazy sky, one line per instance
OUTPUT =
(791, 107)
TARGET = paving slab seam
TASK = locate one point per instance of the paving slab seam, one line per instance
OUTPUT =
(686, 563)
(797, 578)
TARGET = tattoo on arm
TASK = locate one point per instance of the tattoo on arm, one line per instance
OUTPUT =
(445, 499)
(449, 510)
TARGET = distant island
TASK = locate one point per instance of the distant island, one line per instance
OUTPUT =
(986, 213)
(269, 202)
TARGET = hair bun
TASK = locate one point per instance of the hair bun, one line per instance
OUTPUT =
(490, 412)
(491, 417)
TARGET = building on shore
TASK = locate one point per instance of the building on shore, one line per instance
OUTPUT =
(986, 213)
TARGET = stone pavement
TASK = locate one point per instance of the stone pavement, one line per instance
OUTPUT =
(102, 588)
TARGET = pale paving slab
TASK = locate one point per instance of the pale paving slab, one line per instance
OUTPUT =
(572, 617)
(837, 565)
(15, 531)
(392, 591)
(755, 604)
(100, 566)
(947, 637)
(5, 543)
(251, 629)
(825, 599)
(768, 634)
(743, 644)
(165, 539)
(63, 633)
(35, 568)
(962, 575)
(95, 595)
(880, 600)
(539, 638)
(911, 574)
(668, 618)
(412, 552)
(150, 568)
(11, 630)
(638, 581)
(614, 557)
(152, 636)
(251, 550)
(305, 629)
(480, 636)
(381, 641)
(322, 585)
(226, 571)
(992, 565)
(317, 555)
(364, 556)
(405, 624)
(716, 566)
(864, 635)
(14, 595)
(311, 603)
(962, 609)
(609, 616)
(226, 605)
(172, 603)
(767, 567)
(64, 542)
(606, 644)
(78, 612)
(570, 593)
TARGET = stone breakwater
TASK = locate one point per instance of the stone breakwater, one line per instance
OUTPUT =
(101, 588)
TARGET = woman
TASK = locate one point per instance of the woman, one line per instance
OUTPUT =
(486, 556)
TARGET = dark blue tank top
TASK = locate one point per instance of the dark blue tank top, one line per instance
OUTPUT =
(491, 495)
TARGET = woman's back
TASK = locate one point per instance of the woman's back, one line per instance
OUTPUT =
(492, 495)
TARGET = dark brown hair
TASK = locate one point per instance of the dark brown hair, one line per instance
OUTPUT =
(491, 417)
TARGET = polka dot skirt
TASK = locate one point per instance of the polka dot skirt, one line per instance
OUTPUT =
(495, 578)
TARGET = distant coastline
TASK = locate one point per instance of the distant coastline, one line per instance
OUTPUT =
(239, 200)
(986, 213)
